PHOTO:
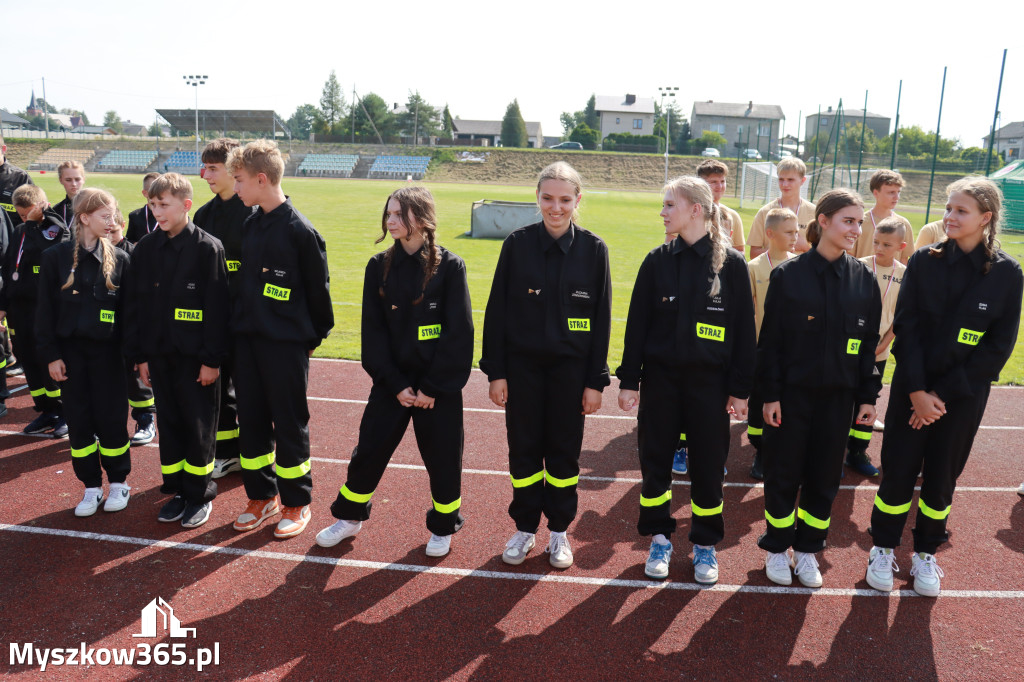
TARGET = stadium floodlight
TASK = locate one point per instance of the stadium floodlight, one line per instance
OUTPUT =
(667, 91)
(195, 82)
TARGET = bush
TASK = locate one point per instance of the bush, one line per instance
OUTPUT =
(585, 135)
(628, 142)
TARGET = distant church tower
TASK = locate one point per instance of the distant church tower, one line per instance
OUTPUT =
(32, 109)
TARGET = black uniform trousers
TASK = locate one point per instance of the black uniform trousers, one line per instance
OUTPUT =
(188, 426)
(439, 436)
(271, 379)
(804, 456)
(544, 420)
(45, 392)
(140, 396)
(755, 420)
(939, 452)
(692, 399)
(227, 425)
(95, 408)
(860, 434)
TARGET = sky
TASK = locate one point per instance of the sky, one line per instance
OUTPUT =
(131, 56)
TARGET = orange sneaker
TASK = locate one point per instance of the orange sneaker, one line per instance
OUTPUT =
(293, 521)
(256, 512)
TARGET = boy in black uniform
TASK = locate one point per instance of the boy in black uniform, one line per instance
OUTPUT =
(41, 229)
(5, 234)
(11, 178)
(140, 396)
(177, 335)
(222, 217)
(71, 175)
(141, 221)
(281, 311)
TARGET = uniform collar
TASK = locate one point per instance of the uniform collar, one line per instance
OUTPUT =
(564, 242)
(976, 257)
(178, 243)
(820, 264)
(701, 247)
(400, 255)
(285, 207)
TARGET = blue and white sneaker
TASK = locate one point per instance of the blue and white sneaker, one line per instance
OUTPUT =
(679, 462)
(705, 564)
(658, 560)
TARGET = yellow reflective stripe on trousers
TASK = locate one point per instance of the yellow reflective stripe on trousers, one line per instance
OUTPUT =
(3, 362)
(84, 452)
(35, 393)
(812, 521)
(891, 508)
(561, 482)
(358, 498)
(933, 513)
(115, 452)
(752, 431)
(447, 508)
(227, 435)
(199, 471)
(706, 511)
(664, 498)
(529, 480)
(52, 394)
(172, 468)
(139, 404)
(295, 471)
(254, 463)
(862, 435)
(781, 523)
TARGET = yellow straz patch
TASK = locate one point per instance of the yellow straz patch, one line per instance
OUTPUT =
(579, 324)
(853, 346)
(107, 316)
(276, 293)
(233, 265)
(188, 315)
(35, 269)
(431, 331)
(970, 337)
(710, 332)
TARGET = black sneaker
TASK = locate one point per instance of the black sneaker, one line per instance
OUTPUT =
(61, 429)
(196, 515)
(173, 510)
(859, 462)
(757, 468)
(47, 421)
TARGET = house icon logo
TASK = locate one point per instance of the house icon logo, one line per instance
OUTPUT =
(158, 617)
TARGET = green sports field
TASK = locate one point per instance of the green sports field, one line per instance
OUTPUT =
(348, 214)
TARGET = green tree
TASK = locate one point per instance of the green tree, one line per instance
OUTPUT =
(155, 130)
(976, 156)
(513, 127)
(709, 138)
(332, 102)
(590, 116)
(447, 124)
(569, 122)
(372, 113)
(419, 118)
(662, 118)
(113, 121)
(914, 141)
(586, 136)
(46, 106)
(302, 121)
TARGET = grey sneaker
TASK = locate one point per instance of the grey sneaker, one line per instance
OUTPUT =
(196, 515)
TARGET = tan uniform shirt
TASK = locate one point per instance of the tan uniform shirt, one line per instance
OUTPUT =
(804, 216)
(760, 269)
(865, 243)
(889, 280)
(932, 233)
(733, 224)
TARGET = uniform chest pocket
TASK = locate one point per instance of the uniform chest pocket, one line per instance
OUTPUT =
(579, 300)
(856, 327)
(278, 282)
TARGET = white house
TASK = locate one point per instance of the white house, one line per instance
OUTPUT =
(629, 114)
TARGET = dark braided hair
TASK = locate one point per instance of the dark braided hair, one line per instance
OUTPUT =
(990, 200)
(419, 202)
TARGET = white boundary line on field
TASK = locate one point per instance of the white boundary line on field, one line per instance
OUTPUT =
(498, 575)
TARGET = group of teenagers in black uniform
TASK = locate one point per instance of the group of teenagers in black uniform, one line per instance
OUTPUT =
(202, 309)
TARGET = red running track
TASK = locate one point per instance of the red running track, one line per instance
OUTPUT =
(377, 606)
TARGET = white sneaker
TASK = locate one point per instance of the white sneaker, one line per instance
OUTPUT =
(337, 532)
(439, 545)
(705, 564)
(518, 547)
(881, 566)
(560, 551)
(90, 502)
(223, 467)
(776, 565)
(805, 568)
(658, 559)
(926, 574)
(878, 425)
(1020, 490)
(118, 497)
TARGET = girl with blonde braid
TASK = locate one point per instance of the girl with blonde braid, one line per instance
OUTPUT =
(689, 351)
(78, 327)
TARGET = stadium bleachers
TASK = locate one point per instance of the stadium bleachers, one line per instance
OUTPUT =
(126, 160)
(337, 165)
(184, 162)
(51, 158)
(399, 167)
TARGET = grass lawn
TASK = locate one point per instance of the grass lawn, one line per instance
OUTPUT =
(348, 214)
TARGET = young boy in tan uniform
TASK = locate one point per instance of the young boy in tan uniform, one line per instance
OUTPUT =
(889, 240)
(780, 227)
(716, 173)
(932, 233)
(792, 175)
(886, 186)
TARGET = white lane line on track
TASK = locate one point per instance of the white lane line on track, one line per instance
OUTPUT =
(498, 575)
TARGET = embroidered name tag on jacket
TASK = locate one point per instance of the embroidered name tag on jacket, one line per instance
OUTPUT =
(580, 294)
